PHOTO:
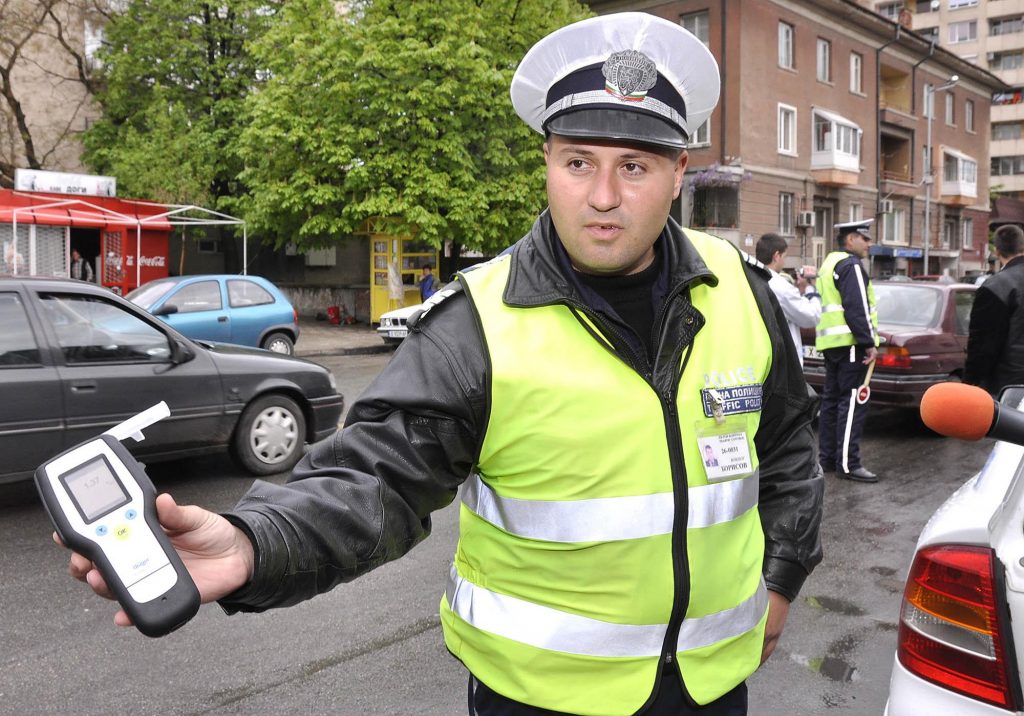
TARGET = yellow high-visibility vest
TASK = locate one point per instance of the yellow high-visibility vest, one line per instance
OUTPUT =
(832, 330)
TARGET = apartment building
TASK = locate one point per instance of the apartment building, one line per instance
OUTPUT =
(825, 116)
(989, 33)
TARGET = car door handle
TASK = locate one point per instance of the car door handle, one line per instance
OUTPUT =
(83, 387)
(222, 319)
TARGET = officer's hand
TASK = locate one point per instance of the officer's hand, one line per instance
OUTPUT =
(218, 555)
(778, 610)
(870, 354)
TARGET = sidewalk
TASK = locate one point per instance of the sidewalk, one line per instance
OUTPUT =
(320, 338)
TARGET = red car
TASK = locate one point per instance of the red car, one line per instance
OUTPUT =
(924, 340)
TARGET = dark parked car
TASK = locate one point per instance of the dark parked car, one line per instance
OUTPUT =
(247, 310)
(76, 360)
(924, 340)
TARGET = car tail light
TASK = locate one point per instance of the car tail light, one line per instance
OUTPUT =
(893, 357)
(951, 631)
(295, 316)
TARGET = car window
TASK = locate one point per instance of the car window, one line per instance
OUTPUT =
(907, 305)
(242, 293)
(149, 294)
(17, 344)
(90, 329)
(200, 296)
(964, 303)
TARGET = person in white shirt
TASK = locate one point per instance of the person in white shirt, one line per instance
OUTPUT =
(800, 301)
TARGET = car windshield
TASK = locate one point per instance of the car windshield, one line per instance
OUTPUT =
(145, 296)
(905, 305)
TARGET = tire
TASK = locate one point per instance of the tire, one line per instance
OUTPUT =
(279, 343)
(270, 436)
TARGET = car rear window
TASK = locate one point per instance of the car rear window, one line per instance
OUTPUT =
(149, 294)
(242, 293)
(17, 344)
(905, 305)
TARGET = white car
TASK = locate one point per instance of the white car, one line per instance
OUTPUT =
(393, 327)
(961, 633)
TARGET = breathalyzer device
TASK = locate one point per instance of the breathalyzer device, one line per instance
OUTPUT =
(103, 506)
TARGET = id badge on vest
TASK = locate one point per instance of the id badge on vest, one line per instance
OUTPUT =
(723, 444)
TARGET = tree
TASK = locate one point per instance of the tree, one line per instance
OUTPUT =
(398, 111)
(45, 81)
(175, 75)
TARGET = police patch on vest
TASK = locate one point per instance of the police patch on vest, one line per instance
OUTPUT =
(733, 400)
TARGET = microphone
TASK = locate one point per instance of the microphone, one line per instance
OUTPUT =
(968, 412)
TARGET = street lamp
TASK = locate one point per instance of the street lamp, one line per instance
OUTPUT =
(929, 177)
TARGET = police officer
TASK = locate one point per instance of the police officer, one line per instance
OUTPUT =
(571, 387)
(847, 336)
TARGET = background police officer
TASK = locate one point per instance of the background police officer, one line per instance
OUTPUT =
(847, 336)
(571, 387)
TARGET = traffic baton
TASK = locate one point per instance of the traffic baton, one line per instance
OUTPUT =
(864, 392)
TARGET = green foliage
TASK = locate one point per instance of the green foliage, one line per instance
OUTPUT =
(397, 110)
(172, 87)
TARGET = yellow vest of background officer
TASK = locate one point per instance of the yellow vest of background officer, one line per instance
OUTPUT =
(832, 330)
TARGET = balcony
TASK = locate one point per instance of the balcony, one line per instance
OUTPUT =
(835, 150)
(959, 184)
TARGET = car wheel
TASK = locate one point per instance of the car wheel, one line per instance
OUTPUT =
(270, 435)
(278, 343)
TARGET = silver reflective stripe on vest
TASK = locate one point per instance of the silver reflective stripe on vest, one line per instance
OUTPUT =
(713, 628)
(832, 308)
(547, 628)
(835, 330)
(608, 519)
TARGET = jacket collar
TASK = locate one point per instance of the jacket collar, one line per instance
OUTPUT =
(536, 277)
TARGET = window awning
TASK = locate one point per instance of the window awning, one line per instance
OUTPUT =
(837, 118)
(958, 154)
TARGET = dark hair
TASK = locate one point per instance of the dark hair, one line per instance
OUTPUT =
(767, 246)
(427, 266)
(1009, 240)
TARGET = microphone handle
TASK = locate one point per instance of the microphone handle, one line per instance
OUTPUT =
(1008, 425)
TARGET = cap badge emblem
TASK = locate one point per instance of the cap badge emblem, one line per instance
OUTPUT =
(629, 74)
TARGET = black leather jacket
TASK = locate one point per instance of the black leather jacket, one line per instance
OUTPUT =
(995, 346)
(364, 496)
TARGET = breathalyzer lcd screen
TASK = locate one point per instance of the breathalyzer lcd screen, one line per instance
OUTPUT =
(95, 488)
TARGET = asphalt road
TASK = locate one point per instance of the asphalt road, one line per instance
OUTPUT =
(374, 646)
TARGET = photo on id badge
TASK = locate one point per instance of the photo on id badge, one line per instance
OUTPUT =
(724, 450)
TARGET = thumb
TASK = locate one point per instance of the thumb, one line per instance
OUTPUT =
(178, 518)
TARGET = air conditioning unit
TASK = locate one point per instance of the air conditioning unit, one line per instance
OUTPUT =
(991, 56)
(805, 218)
(885, 206)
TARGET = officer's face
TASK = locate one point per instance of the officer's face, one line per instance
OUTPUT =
(609, 202)
(857, 244)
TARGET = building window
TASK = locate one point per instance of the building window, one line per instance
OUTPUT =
(856, 73)
(1006, 130)
(702, 137)
(697, 23)
(890, 10)
(1007, 61)
(824, 60)
(969, 115)
(966, 31)
(1007, 166)
(1005, 98)
(950, 109)
(832, 136)
(787, 129)
(894, 226)
(949, 231)
(930, 33)
(715, 206)
(957, 4)
(1006, 26)
(785, 213)
(967, 234)
(786, 46)
(856, 212)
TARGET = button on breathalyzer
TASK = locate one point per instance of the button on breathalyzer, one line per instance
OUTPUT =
(103, 506)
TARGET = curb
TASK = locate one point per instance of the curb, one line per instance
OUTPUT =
(356, 350)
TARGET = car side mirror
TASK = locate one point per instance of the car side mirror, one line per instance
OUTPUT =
(166, 310)
(181, 352)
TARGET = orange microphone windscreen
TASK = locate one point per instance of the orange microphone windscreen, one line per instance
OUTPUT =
(958, 411)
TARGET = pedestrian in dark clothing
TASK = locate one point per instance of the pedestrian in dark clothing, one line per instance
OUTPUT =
(995, 346)
(426, 283)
